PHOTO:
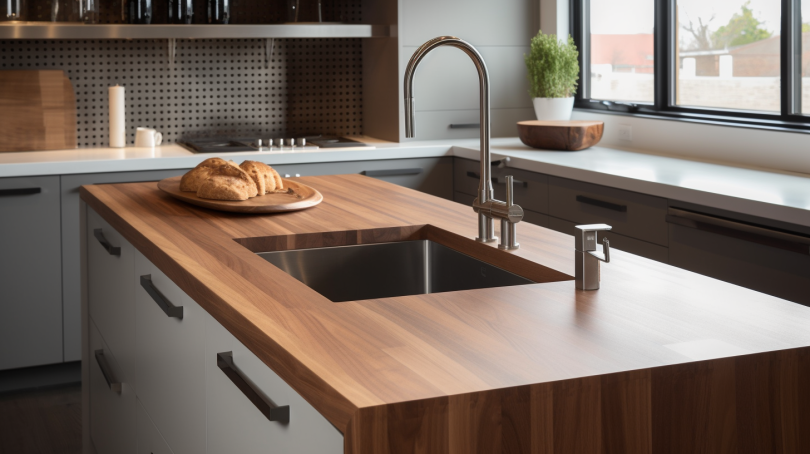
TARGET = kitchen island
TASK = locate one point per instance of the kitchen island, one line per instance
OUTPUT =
(660, 360)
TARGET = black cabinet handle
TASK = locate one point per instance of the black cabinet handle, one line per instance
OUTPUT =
(391, 172)
(465, 125)
(109, 377)
(497, 180)
(19, 191)
(168, 308)
(602, 204)
(272, 411)
(740, 230)
(112, 250)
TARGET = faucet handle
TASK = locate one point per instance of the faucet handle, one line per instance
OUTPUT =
(600, 256)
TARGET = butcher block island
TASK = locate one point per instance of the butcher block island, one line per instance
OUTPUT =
(193, 342)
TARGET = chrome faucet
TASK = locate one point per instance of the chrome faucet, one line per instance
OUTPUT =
(485, 204)
(587, 274)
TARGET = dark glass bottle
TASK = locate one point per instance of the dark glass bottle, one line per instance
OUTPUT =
(219, 11)
(138, 11)
(181, 11)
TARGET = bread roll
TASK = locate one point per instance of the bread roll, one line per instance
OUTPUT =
(225, 187)
(262, 175)
(195, 177)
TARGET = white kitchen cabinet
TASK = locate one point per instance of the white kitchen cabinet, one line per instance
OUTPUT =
(170, 349)
(110, 288)
(112, 399)
(30, 279)
(149, 439)
(235, 424)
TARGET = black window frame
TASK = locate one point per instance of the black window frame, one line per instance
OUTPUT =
(789, 118)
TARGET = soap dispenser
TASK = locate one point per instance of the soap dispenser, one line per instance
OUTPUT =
(588, 260)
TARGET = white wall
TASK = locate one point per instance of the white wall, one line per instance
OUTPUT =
(786, 151)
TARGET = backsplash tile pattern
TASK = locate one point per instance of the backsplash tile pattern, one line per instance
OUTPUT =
(214, 88)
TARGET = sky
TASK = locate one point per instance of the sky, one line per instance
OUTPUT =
(636, 16)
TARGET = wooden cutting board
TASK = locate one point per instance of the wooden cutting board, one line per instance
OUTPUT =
(37, 111)
(297, 197)
(571, 135)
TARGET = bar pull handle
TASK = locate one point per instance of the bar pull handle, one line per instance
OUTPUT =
(112, 250)
(465, 125)
(19, 191)
(106, 371)
(269, 409)
(497, 180)
(391, 172)
(603, 257)
(168, 308)
(602, 204)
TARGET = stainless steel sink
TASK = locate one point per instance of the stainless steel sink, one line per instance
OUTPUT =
(383, 270)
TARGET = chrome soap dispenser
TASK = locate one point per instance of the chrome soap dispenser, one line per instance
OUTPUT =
(587, 274)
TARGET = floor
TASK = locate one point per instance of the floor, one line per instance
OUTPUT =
(41, 421)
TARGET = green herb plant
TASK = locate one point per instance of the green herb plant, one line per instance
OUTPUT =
(552, 67)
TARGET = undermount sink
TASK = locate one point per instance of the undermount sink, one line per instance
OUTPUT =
(383, 270)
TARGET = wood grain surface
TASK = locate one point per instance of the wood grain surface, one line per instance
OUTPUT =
(571, 135)
(37, 111)
(659, 360)
(297, 196)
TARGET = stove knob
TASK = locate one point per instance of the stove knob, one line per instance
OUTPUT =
(258, 143)
(301, 141)
(269, 143)
(281, 143)
(291, 142)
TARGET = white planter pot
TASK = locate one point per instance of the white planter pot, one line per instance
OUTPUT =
(548, 109)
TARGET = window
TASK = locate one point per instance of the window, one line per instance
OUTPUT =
(723, 61)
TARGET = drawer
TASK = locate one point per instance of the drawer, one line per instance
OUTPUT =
(149, 439)
(30, 272)
(531, 189)
(429, 175)
(631, 214)
(235, 424)
(170, 352)
(110, 287)
(112, 410)
(767, 269)
(620, 242)
(528, 216)
(453, 124)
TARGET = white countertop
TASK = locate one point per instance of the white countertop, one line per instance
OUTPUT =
(775, 195)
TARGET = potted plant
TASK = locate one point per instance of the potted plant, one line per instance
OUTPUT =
(553, 71)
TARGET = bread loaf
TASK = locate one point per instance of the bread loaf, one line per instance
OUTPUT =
(262, 175)
(195, 177)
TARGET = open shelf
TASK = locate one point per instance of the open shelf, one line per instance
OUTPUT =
(49, 30)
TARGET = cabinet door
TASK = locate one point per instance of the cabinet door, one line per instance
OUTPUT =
(30, 272)
(110, 288)
(149, 439)
(530, 188)
(112, 400)
(71, 258)
(236, 425)
(170, 349)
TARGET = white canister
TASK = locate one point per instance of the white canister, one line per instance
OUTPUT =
(552, 109)
(118, 134)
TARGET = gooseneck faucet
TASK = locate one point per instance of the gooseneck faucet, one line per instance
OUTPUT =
(485, 204)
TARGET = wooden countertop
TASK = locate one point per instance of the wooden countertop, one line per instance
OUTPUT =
(658, 360)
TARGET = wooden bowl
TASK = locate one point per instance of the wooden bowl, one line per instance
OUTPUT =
(570, 135)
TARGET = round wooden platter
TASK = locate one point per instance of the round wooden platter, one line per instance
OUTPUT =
(572, 135)
(297, 197)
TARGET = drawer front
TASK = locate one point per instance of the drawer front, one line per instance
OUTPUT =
(776, 272)
(620, 242)
(429, 175)
(455, 124)
(149, 439)
(236, 425)
(110, 287)
(528, 216)
(631, 214)
(170, 354)
(531, 189)
(112, 413)
(30, 272)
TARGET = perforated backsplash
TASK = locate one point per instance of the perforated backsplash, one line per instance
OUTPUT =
(214, 88)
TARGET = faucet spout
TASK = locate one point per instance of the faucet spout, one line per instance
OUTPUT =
(485, 198)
